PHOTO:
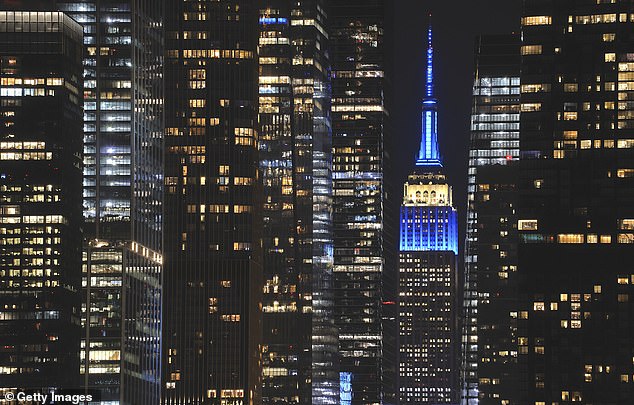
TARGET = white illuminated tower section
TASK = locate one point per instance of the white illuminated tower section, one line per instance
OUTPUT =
(428, 343)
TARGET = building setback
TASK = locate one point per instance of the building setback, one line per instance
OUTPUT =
(490, 323)
(40, 200)
(364, 249)
(576, 205)
(213, 277)
(428, 279)
(299, 356)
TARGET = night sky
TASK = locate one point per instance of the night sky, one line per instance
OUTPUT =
(456, 25)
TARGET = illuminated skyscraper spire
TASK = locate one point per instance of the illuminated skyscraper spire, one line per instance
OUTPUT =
(429, 155)
(429, 90)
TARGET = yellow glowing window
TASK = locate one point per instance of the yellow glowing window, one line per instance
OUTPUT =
(531, 107)
(196, 122)
(243, 181)
(625, 144)
(195, 16)
(196, 103)
(626, 67)
(596, 19)
(537, 20)
(570, 238)
(241, 209)
(244, 131)
(275, 79)
(626, 224)
(609, 37)
(531, 50)
(244, 141)
(534, 88)
(527, 225)
(610, 57)
(232, 393)
(218, 209)
(241, 246)
(626, 238)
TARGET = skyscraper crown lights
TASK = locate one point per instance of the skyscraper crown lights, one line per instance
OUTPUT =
(429, 154)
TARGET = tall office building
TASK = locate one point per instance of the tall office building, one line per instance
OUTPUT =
(489, 357)
(428, 279)
(213, 276)
(123, 159)
(300, 351)
(40, 200)
(364, 251)
(576, 188)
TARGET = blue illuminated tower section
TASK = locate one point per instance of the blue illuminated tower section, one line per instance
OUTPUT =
(428, 322)
(429, 155)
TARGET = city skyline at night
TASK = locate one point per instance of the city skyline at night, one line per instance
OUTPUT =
(428, 272)
(330, 202)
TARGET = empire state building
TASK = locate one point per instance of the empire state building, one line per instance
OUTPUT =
(427, 270)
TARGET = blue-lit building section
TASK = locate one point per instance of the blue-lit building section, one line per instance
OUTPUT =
(273, 20)
(429, 154)
(345, 388)
(425, 228)
(428, 321)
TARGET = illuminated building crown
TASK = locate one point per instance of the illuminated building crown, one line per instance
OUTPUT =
(429, 154)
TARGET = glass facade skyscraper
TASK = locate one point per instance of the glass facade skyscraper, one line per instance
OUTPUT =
(213, 277)
(299, 356)
(123, 185)
(489, 347)
(427, 302)
(364, 250)
(40, 200)
(575, 214)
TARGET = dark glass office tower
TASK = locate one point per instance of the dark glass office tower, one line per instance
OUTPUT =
(300, 351)
(40, 200)
(364, 251)
(123, 159)
(428, 278)
(576, 206)
(213, 276)
(489, 356)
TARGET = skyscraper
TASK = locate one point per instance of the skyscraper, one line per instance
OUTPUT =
(490, 307)
(300, 362)
(428, 280)
(213, 276)
(575, 216)
(364, 251)
(123, 163)
(40, 200)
